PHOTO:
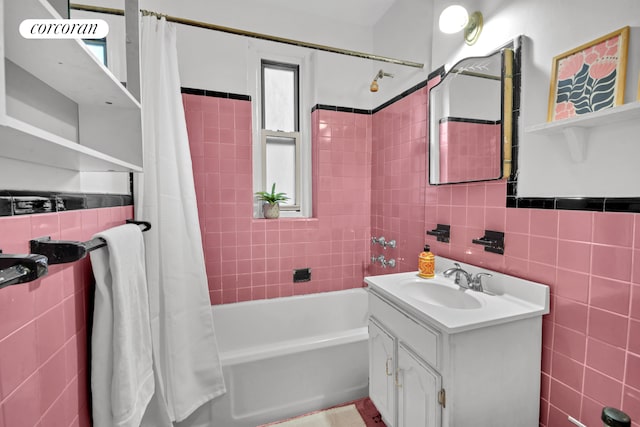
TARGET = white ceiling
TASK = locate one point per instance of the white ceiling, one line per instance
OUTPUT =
(358, 12)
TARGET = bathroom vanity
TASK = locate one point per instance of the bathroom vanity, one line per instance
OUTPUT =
(442, 355)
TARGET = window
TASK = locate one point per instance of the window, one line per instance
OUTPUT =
(99, 48)
(280, 131)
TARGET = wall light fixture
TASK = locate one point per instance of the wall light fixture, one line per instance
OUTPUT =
(456, 18)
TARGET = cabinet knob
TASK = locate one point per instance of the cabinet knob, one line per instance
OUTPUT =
(398, 382)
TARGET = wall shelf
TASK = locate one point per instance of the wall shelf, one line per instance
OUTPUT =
(104, 117)
(22, 141)
(576, 130)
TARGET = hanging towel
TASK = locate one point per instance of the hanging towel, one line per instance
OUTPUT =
(122, 381)
(184, 344)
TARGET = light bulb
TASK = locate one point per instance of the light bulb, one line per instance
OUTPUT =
(453, 19)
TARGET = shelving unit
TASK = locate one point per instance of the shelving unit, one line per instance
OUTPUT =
(576, 129)
(104, 118)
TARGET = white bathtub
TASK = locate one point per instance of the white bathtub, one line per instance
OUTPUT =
(286, 356)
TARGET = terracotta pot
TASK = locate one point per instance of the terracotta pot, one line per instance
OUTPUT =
(271, 210)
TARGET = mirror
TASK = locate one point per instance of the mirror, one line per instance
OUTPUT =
(470, 120)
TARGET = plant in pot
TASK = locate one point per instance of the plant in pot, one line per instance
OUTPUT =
(271, 205)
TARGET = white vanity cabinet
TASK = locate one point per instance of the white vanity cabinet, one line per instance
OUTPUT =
(402, 384)
(479, 367)
(393, 366)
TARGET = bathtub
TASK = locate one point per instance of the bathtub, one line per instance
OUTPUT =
(286, 356)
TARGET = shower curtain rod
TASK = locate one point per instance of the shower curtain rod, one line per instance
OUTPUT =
(230, 30)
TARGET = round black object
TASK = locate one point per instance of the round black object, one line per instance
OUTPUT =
(615, 418)
(427, 248)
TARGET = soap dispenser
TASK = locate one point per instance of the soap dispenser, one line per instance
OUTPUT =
(426, 263)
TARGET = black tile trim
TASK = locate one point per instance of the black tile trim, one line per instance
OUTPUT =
(341, 109)
(375, 110)
(622, 204)
(14, 202)
(535, 203)
(468, 120)
(402, 95)
(595, 204)
(591, 204)
(437, 72)
(214, 94)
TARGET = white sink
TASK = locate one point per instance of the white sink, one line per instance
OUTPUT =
(447, 306)
(439, 292)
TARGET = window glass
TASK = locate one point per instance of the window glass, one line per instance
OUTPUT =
(281, 166)
(99, 49)
(279, 99)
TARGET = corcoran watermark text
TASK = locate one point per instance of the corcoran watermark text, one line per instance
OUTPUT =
(64, 28)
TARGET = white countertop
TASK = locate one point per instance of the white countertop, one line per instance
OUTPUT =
(511, 298)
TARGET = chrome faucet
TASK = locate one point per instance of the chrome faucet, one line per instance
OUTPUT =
(458, 271)
(472, 282)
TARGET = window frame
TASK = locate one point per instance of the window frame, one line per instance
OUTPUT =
(277, 65)
(260, 51)
(295, 134)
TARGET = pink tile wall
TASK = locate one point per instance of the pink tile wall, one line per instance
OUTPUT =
(249, 258)
(44, 324)
(398, 177)
(591, 261)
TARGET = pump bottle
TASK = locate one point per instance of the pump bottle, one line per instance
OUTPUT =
(426, 263)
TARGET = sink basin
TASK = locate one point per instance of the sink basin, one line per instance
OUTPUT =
(434, 293)
(441, 303)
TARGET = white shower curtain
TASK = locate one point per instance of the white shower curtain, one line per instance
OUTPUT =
(187, 366)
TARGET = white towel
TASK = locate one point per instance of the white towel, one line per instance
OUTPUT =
(122, 380)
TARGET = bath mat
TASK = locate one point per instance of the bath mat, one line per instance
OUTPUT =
(359, 413)
(343, 416)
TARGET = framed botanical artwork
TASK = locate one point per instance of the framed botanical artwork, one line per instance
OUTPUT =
(590, 77)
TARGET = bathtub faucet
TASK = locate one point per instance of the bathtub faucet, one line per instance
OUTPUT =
(383, 262)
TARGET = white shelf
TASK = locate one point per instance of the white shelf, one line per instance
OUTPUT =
(108, 123)
(22, 141)
(576, 129)
(66, 65)
(609, 116)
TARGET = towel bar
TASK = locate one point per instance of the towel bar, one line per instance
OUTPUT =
(442, 233)
(64, 251)
(493, 241)
(15, 269)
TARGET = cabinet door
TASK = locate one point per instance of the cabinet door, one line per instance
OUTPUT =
(418, 386)
(381, 371)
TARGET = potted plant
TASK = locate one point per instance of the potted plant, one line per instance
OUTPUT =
(271, 207)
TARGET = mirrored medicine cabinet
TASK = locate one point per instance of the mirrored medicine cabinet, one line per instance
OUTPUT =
(471, 118)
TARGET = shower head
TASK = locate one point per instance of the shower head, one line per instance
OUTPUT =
(374, 84)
